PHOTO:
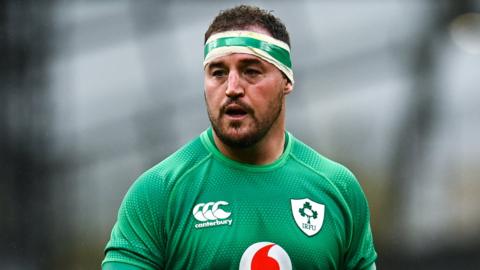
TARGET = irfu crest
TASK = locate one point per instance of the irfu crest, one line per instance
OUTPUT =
(308, 215)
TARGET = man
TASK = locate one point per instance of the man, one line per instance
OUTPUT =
(245, 194)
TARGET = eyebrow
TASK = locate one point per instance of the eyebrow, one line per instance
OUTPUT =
(243, 62)
(215, 65)
(250, 61)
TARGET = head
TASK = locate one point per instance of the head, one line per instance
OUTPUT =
(245, 88)
(245, 17)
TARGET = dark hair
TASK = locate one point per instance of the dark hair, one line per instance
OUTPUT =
(243, 16)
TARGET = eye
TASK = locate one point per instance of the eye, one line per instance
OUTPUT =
(218, 73)
(252, 72)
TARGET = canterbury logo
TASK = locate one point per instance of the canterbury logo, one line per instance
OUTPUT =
(210, 211)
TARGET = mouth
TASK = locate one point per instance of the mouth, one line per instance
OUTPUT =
(235, 111)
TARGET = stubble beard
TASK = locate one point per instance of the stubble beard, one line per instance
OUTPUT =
(237, 134)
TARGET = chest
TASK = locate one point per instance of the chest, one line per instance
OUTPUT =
(238, 220)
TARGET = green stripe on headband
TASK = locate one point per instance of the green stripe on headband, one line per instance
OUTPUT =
(279, 53)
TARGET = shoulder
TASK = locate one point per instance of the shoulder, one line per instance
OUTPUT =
(319, 163)
(340, 177)
(180, 162)
(161, 177)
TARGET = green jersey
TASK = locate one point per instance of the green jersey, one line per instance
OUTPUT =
(198, 209)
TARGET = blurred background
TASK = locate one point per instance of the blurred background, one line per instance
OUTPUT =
(95, 92)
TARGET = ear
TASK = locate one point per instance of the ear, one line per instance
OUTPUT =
(288, 88)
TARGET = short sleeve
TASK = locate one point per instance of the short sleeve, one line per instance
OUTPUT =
(361, 254)
(136, 238)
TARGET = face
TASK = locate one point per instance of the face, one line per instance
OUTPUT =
(245, 98)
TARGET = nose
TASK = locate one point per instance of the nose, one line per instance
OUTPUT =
(234, 87)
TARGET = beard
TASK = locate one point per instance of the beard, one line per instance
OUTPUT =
(244, 134)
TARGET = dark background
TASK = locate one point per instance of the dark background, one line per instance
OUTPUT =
(95, 92)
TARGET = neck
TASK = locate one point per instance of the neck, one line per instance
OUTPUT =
(266, 151)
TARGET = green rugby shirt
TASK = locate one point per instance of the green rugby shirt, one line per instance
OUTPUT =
(198, 209)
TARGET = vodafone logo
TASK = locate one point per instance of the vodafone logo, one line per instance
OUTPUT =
(265, 256)
(210, 214)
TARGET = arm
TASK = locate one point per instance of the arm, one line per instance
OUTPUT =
(137, 240)
(360, 253)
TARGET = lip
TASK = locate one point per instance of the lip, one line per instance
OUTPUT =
(229, 112)
(236, 117)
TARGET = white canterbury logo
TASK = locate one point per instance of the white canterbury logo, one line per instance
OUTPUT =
(211, 214)
(208, 213)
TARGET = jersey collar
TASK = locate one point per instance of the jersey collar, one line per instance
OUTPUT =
(207, 140)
